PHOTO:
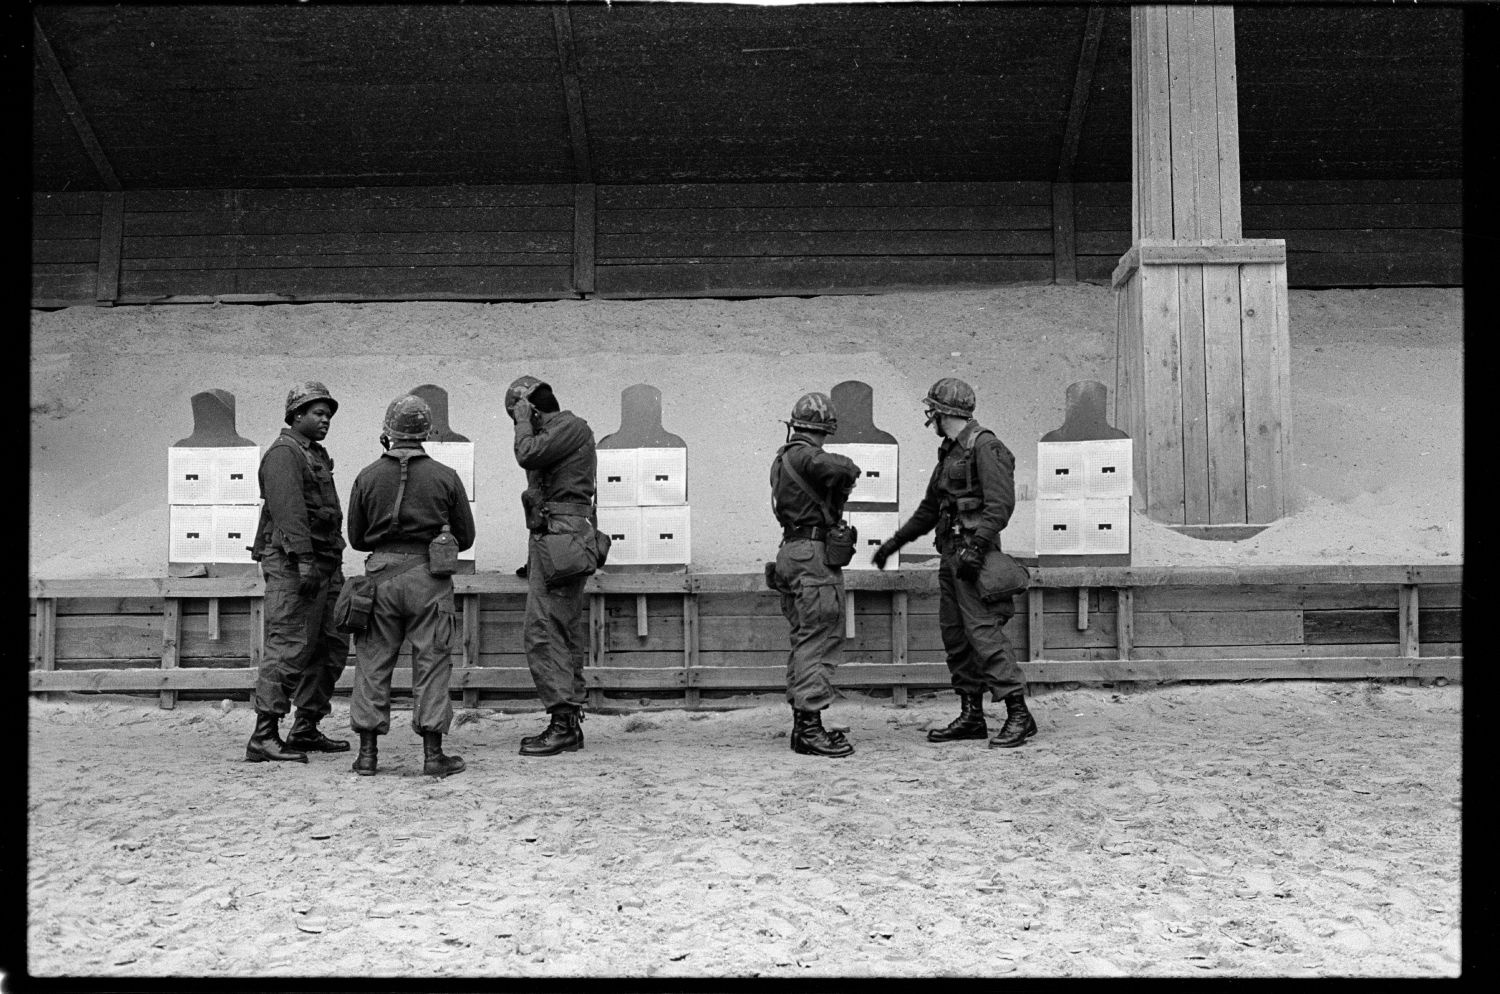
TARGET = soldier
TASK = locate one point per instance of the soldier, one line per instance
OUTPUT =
(556, 449)
(300, 550)
(809, 488)
(969, 499)
(400, 503)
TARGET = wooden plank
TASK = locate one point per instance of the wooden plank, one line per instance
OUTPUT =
(1409, 620)
(1323, 270)
(59, 79)
(1226, 82)
(371, 220)
(597, 648)
(626, 196)
(1150, 87)
(1224, 394)
(1078, 104)
(690, 647)
(642, 626)
(1162, 394)
(171, 612)
(53, 204)
(1211, 251)
(770, 677)
(1265, 349)
(111, 235)
(257, 633)
(45, 653)
(1083, 608)
(1354, 191)
(469, 656)
(313, 283)
(213, 619)
(1035, 625)
(899, 629)
(1064, 249)
(584, 236)
(1195, 445)
(1363, 627)
(781, 276)
(259, 251)
(641, 249)
(850, 630)
(1125, 622)
(1187, 121)
(736, 218)
(271, 202)
(562, 24)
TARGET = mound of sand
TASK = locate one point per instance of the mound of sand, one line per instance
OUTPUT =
(1376, 378)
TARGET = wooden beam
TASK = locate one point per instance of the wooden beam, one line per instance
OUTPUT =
(1410, 634)
(59, 80)
(1064, 235)
(562, 22)
(170, 632)
(46, 635)
(470, 657)
(213, 619)
(1078, 105)
(1035, 624)
(1125, 621)
(849, 629)
(642, 628)
(585, 234)
(1083, 608)
(111, 240)
(690, 647)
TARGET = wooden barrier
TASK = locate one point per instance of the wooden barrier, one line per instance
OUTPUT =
(696, 635)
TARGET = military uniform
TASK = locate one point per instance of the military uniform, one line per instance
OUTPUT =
(812, 592)
(969, 498)
(558, 456)
(300, 521)
(413, 604)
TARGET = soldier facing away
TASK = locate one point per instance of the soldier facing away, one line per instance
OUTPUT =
(400, 503)
(556, 449)
(809, 488)
(300, 550)
(969, 500)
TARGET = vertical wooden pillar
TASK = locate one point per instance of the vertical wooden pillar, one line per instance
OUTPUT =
(1202, 372)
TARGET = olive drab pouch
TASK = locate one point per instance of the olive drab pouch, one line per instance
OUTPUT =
(772, 583)
(970, 511)
(565, 556)
(442, 553)
(1001, 577)
(840, 543)
(602, 544)
(351, 612)
(531, 505)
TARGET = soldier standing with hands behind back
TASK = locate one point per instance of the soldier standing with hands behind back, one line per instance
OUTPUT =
(809, 488)
(969, 500)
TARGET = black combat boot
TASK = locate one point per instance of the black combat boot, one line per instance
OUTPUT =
(810, 738)
(365, 762)
(968, 725)
(434, 763)
(563, 734)
(265, 742)
(1019, 725)
(305, 737)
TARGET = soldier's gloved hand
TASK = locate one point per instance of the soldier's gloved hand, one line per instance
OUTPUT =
(522, 570)
(971, 559)
(887, 549)
(522, 411)
(311, 579)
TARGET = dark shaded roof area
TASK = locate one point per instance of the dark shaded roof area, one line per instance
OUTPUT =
(298, 96)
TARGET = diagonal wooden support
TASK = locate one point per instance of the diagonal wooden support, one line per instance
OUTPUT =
(59, 80)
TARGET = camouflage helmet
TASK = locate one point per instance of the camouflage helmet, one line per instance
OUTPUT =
(522, 387)
(407, 417)
(814, 412)
(952, 397)
(306, 393)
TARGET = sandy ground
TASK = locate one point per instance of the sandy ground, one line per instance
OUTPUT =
(1376, 377)
(1282, 829)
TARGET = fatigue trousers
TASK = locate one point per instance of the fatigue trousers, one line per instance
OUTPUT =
(812, 600)
(304, 654)
(980, 656)
(554, 634)
(414, 606)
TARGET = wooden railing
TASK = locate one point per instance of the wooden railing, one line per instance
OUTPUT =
(691, 633)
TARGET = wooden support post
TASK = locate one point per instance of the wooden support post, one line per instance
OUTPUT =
(1064, 236)
(596, 645)
(171, 628)
(585, 229)
(46, 636)
(471, 644)
(213, 619)
(1410, 634)
(111, 241)
(849, 631)
(257, 632)
(1035, 637)
(1125, 620)
(899, 629)
(641, 629)
(691, 697)
(1083, 608)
